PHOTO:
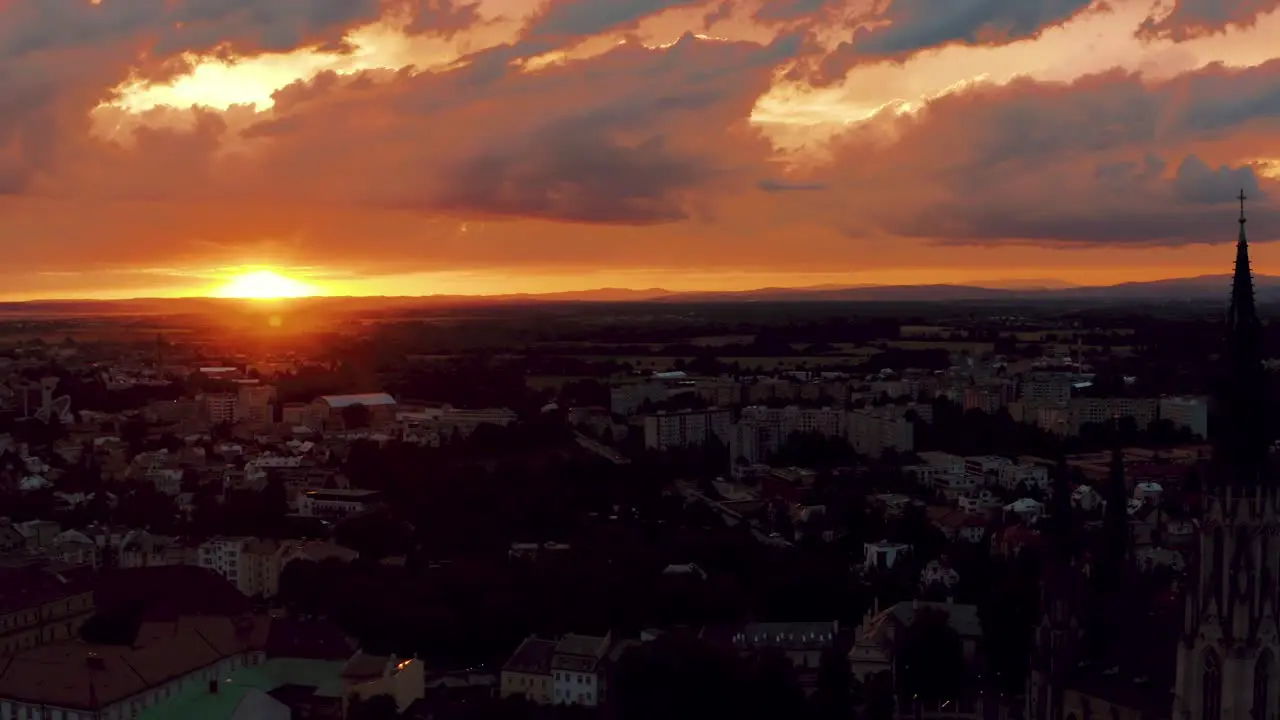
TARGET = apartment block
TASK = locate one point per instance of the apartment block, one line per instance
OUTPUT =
(687, 428)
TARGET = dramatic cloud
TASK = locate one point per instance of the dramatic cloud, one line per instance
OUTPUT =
(1194, 18)
(1084, 162)
(919, 24)
(433, 135)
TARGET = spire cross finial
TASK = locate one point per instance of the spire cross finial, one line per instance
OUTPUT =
(1242, 197)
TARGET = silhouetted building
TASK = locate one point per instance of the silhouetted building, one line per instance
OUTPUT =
(1114, 642)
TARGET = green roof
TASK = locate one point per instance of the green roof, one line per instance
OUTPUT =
(197, 703)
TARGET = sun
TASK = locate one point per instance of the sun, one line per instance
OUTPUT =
(263, 285)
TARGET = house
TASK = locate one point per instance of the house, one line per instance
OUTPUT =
(528, 672)
(365, 676)
(576, 666)
(883, 554)
(957, 523)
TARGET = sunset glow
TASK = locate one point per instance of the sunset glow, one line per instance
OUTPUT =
(556, 144)
(264, 285)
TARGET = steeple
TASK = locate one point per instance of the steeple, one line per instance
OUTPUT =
(1061, 527)
(1116, 537)
(1240, 445)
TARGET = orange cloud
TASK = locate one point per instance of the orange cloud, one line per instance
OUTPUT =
(385, 137)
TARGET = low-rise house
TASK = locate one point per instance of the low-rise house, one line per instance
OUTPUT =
(883, 554)
(366, 676)
(528, 672)
(576, 667)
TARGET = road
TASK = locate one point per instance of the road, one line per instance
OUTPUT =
(601, 449)
(731, 518)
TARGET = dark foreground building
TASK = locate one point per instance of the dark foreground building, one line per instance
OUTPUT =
(1120, 643)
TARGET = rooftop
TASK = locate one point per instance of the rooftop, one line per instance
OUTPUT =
(533, 656)
(82, 676)
(341, 401)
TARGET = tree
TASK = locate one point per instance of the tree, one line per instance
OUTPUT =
(355, 416)
(931, 662)
(378, 707)
(834, 696)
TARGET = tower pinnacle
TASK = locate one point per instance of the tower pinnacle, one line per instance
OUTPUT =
(1241, 446)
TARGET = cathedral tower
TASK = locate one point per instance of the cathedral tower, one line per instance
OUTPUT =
(1227, 658)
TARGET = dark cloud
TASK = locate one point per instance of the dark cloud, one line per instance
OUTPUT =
(785, 11)
(903, 27)
(577, 172)
(779, 186)
(170, 27)
(1198, 184)
(919, 24)
(582, 18)
(1196, 18)
(445, 18)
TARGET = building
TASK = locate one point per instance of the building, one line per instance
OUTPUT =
(686, 428)
(528, 672)
(73, 680)
(462, 421)
(1110, 646)
(336, 504)
(872, 431)
(987, 400)
(1187, 412)
(253, 403)
(219, 407)
(802, 643)
(330, 412)
(365, 676)
(39, 606)
(576, 669)
(1047, 389)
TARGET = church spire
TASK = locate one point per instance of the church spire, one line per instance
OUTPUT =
(1240, 444)
(1115, 522)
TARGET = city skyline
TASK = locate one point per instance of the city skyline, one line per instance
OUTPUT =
(544, 147)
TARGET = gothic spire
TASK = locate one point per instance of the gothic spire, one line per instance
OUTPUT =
(1240, 445)
(1061, 527)
(1115, 522)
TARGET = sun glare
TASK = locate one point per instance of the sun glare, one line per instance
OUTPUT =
(263, 285)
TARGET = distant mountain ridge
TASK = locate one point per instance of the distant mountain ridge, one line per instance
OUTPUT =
(1203, 288)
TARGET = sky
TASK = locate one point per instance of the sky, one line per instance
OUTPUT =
(412, 147)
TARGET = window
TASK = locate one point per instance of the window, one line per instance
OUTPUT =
(1211, 689)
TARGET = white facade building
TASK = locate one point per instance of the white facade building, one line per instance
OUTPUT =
(575, 668)
(335, 503)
